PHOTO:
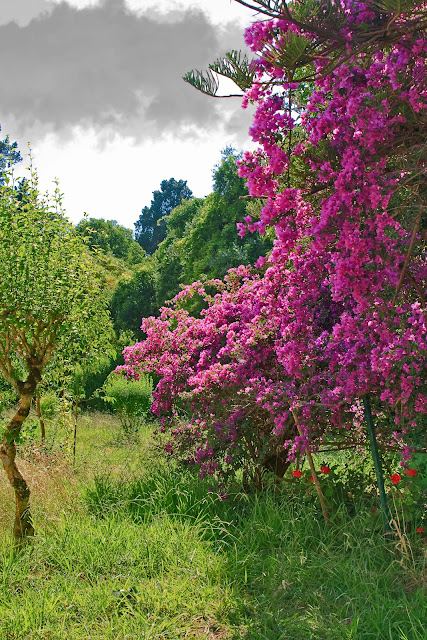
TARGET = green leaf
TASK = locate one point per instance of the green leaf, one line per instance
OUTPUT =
(292, 52)
(396, 7)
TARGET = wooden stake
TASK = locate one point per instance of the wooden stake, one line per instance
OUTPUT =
(314, 474)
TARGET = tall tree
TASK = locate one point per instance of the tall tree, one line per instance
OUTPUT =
(9, 155)
(150, 229)
(202, 238)
(49, 293)
(212, 245)
(225, 178)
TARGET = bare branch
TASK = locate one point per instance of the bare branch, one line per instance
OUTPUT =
(409, 252)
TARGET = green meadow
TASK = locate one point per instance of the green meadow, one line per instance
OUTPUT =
(129, 547)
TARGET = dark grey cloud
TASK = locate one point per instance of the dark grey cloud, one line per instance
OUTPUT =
(23, 11)
(109, 68)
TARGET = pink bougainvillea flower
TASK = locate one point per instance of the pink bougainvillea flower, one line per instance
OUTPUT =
(297, 474)
(411, 472)
(325, 469)
(329, 317)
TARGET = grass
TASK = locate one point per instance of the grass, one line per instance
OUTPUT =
(128, 547)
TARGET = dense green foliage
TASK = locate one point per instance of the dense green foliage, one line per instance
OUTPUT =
(133, 299)
(202, 240)
(130, 400)
(150, 228)
(50, 297)
(112, 239)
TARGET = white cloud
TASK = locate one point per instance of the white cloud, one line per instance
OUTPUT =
(117, 182)
(111, 122)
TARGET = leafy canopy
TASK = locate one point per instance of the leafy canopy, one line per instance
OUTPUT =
(50, 298)
(201, 235)
(111, 238)
(9, 155)
(150, 228)
(133, 299)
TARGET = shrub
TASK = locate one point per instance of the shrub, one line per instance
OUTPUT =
(49, 405)
(130, 399)
(284, 358)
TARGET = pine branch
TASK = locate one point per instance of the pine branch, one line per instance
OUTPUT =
(235, 66)
(205, 82)
(271, 8)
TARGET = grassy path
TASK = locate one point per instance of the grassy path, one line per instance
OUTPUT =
(129, 548)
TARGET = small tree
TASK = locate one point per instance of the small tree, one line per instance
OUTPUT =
(48, 290)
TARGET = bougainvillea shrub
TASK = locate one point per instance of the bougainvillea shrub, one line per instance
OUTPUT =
(221, 375)
(337, 310)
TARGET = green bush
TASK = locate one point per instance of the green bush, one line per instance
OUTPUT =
(28, 433)
(130, 399)
(49, 405)
(8, 396)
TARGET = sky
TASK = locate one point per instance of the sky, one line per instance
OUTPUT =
(95, 87)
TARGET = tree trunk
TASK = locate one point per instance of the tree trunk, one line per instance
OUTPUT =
(23, 526)
(277, 463)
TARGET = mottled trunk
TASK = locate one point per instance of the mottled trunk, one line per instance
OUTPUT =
(23, 526)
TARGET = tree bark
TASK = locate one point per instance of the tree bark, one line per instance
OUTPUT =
(23, 526)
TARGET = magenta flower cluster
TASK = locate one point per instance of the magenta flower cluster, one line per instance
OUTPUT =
(328, 317)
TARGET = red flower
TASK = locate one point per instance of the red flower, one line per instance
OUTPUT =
(420, 530)
(311, 479)
(395, 478)
(325, 469)
(297, 474)
(411, 472)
